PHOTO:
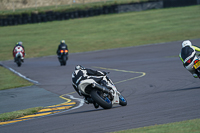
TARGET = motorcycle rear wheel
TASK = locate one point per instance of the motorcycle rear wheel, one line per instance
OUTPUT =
(18, 61)
(104, 102)
(63, 61)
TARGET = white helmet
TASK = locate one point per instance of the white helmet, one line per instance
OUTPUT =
(20, 43)
(79, 67)
(186, 43)
(62, 41)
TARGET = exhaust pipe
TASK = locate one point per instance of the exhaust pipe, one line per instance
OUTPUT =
(101, 88)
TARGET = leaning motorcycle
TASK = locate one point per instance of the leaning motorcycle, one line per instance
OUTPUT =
(18, 55)
(104, 95)
(63, 57)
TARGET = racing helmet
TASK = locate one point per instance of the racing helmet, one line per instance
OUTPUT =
(19, 43)
(62, 41)
(186, 43)
(79, 67)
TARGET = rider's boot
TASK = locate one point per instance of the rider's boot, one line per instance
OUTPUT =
(195, 75)
(88, 100)
(96, 105)
(22, 59)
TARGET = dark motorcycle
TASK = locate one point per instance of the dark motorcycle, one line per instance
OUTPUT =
(63, 57)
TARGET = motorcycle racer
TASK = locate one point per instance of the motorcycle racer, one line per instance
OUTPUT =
(188, 56)
(82, 73)
(61, 46)
(19, 46)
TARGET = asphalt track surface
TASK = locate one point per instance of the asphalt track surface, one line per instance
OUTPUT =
(166, 93)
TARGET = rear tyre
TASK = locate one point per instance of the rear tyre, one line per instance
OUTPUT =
(64, 63)
(18, 61)
(19, 64)
(122, 101)
(64, 60)
(98, 97)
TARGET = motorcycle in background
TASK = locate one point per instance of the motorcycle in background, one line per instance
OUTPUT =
(63, 57)
(18, 55)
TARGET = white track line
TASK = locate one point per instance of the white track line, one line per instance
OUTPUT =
(19, 74)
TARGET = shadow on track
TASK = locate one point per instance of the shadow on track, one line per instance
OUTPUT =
(185, 89)
(86, 111)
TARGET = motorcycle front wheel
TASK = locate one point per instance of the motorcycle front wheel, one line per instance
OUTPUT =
(103, 101)
(122, 101)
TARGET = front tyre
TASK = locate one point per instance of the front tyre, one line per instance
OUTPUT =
(103, 101)
(122, 101)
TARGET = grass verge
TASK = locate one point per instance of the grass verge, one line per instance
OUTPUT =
(188, 126)
(10, 80)
(19, 113)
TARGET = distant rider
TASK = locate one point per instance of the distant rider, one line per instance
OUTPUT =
(188, 56)
(82, 73)
(61, 46)
(19, 44)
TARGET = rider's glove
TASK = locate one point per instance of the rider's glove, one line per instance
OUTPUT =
(105, 73)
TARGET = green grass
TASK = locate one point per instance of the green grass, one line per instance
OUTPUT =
(189, 126)
(103, 32)
(19, 113)
(10, 80)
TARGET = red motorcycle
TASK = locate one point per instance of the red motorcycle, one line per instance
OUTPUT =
(18, 55)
